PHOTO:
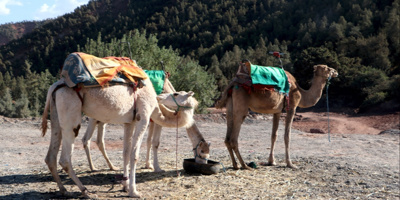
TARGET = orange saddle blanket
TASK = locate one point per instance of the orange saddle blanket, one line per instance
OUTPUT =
(91, 70)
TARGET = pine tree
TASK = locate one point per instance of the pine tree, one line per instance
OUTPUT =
(6, 104)
(216, 71)
(2, 85)
(21, 107)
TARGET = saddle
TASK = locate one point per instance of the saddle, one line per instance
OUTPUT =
(261, 78)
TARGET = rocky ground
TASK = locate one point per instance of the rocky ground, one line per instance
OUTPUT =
(361, 161)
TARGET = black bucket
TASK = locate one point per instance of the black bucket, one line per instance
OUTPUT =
(212, 167)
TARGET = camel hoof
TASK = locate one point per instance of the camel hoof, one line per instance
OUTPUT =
(292, 166)
(65, 193)
(125, 185)
(88, 195)
(269, 163)
(113, 168)
(134, 194)
(149, 166)
(246, 168)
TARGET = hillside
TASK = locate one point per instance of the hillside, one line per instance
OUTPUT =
(13, 31)
(359, 38)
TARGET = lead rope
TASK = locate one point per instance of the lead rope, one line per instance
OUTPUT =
(176, 155)
(327, 107)
(176, 113)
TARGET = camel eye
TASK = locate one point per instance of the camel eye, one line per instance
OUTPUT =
(176, 94)
(201, 151)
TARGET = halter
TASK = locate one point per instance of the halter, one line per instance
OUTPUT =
(179, 106)
(195, 150)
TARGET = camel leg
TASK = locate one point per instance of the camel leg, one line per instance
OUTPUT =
(229, 121)
(68, 137)
(155, 145)
(148, 146)
(55, 143)
(271, 159)
(288, 126)
(100, 143)
(136, 143)
(128, 132)
(235, 118)
(234, 139)
(86, 141)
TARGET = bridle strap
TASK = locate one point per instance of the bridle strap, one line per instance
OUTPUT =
(195, 150)
(179, 106)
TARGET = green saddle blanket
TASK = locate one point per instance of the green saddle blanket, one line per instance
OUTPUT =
(267, 75)
(157, 77)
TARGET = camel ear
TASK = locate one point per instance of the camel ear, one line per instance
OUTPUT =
(190, 93)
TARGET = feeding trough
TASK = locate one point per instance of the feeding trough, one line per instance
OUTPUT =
(212, 167)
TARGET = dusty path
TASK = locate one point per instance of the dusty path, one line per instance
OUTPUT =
(351, 166)
(345, 124)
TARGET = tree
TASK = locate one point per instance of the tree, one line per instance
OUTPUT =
(6, 104)
(190, 76)
(216, 71)
(2, 85)
(21, 107)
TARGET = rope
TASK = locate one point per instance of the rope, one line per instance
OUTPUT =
(176, 155)
(223, 167)
(327, 107)
(177, 132)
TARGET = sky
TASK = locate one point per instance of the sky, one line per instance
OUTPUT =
(12, 11)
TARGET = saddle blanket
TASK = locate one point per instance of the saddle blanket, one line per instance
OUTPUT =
(92, 71)
(267, 75)
(157, 78)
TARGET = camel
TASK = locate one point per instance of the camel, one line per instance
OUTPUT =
(113, 104)
(200, 146)
(268, 102)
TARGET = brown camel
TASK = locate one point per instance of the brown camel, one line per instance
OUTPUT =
(237, 100)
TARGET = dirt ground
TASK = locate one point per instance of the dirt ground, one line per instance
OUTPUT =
(361, 161)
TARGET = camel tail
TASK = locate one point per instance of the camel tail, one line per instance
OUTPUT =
(44, 118)
(49, 100)
(221, 103)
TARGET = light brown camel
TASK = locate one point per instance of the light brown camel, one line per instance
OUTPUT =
(114, 104)
(199, 145)
(271, 102)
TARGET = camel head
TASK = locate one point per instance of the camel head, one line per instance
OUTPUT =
(178, 100)
(325, 71)
(202, 152)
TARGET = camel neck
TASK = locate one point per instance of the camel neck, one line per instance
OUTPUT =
(194, 134)
(311, 96)
(168, 118)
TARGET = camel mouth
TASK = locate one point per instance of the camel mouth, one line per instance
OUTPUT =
(334, 74)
